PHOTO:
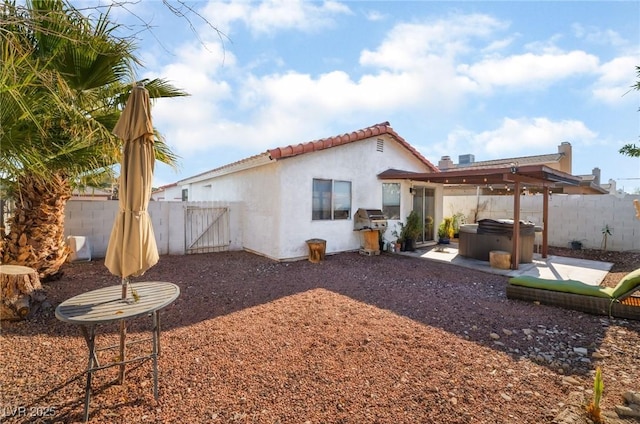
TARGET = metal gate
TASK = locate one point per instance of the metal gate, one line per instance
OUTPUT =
(207, 229)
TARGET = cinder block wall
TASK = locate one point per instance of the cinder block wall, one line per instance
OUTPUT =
(94, 220)
(571, 217)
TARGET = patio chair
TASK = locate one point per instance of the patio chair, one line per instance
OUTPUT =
(620, 301)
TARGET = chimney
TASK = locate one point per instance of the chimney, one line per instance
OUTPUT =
(596, 173)
(565, 161)
(445, 163)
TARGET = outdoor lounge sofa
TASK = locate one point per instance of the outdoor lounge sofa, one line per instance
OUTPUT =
(621, 301)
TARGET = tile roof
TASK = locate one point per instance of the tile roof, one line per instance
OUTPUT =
(312, 146)
(326, 143)
(523, 160)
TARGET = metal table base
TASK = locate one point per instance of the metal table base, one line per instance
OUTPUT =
(90, 310)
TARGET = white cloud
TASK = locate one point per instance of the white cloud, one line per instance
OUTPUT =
(616, 78)
(408, 45)
(600, 36)
(374, 16)
(538, 134)
(529, 71)
(270, 16)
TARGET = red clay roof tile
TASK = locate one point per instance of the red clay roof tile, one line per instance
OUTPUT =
(325, 143)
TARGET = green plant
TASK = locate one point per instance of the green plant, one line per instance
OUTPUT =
(606, 232)
(413, 227)
(445, 229)
(457, 220)
(593, 409)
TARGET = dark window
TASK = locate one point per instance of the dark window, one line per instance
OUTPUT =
(331, 200)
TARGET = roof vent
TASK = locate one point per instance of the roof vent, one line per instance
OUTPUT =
(380, 145)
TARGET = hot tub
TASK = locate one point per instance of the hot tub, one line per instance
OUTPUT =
(477, 240)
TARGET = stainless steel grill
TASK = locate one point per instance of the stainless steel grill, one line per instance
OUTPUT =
(370, 219)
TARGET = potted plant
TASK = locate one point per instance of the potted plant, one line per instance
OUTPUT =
(458, 219)
(397, 233)
(411, 230)
(576, 244)
(445, 231)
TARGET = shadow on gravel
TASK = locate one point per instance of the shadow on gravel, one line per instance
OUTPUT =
(465, 302)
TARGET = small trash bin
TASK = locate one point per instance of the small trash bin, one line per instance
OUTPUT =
(317, 248)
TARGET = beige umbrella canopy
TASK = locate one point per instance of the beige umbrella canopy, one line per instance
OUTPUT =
(132, 245)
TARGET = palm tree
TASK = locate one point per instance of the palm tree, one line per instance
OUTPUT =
(62, 91)
(631, 149)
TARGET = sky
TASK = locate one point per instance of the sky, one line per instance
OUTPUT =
(494, 79)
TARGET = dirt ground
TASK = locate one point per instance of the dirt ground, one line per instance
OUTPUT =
(353, 339)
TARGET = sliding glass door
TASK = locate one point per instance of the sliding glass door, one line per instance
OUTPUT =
(424, 205)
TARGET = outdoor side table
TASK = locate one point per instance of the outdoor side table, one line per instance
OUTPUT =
(106, 305)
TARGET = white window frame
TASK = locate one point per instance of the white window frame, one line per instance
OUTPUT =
(337, 211)
(386, 206)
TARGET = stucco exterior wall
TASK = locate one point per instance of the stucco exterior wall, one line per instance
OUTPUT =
(359, 163)
(276, 197)
(571, 217)
(256, 191)
(94, 220)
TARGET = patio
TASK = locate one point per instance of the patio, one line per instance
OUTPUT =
(552, 267)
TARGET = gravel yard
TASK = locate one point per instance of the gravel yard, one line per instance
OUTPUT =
(353, 339)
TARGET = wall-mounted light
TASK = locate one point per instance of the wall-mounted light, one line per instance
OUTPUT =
(411, 190)
(514, 167)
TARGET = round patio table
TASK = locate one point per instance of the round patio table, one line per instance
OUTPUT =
(106, 305)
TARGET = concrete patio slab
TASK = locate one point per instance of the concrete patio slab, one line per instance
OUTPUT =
(552, 267)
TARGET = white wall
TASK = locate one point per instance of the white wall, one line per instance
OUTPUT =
(571, 217)
(360, 163)
(257, 191)
(277, 195)
(94, 220)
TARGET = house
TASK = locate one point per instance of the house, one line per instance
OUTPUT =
(312, 190)
(168, 192)
(560, 160)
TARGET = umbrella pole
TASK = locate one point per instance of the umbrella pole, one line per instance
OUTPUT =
(123, 334)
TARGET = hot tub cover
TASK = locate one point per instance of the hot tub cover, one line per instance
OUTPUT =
(504, 226)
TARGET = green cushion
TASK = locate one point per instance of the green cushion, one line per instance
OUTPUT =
(628, 283)
(566, 286)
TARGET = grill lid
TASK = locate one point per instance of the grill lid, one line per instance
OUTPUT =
(372, 219)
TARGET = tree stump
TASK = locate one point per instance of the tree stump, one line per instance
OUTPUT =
(20, 290)
(500, 259)
(317, 249)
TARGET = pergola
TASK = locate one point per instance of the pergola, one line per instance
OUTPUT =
(540, 176)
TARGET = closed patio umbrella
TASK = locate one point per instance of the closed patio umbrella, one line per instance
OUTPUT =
(132, 245)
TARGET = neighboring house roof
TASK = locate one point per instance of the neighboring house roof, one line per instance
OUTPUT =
(523, 160)
(279, 153)
(589, 182)
(163, 188)
(326, 143)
